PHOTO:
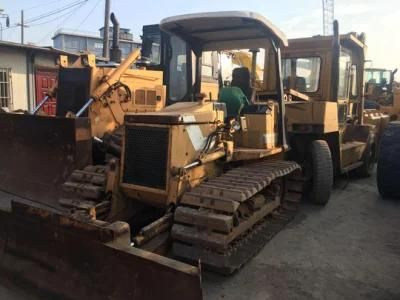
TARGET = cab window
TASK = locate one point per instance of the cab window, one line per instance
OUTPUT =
(207, 61)
(178, 69)
(306, 73)
(344, 75)
(354, 87)
(286, 73)
(209, 69)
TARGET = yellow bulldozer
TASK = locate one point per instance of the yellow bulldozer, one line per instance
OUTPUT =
(204, 179)
(92, 100)
(41, 240)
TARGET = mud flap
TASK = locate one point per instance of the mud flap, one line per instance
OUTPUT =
(77, 259)
(38, 153)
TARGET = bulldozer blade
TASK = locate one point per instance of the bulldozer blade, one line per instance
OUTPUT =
(38, 153)
(74, 259)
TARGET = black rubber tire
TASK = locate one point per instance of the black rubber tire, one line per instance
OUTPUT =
(322, 172)
(388, 170)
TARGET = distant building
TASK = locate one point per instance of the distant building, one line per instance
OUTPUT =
(73, 41)
(26, 73)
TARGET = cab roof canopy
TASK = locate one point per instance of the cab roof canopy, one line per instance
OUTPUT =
(224, 30)
(350, 41)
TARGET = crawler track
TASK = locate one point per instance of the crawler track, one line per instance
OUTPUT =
(227, 220)
(84, 193)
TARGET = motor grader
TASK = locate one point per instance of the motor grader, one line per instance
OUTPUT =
(323, 78)
(207, 173)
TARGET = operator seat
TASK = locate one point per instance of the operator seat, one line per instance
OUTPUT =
(241, 79)
(301, 85)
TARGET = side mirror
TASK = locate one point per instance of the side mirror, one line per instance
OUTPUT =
(145, 53)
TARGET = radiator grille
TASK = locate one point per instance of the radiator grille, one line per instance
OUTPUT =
(146, 156)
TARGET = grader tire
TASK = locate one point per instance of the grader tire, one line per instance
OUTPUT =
(322, 172)
(388, 170)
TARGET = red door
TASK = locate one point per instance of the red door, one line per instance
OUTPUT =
(45, 78)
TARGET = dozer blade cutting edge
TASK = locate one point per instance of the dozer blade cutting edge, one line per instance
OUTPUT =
(86, 259)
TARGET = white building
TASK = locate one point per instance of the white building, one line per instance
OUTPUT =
(74, 41)
(26, 72)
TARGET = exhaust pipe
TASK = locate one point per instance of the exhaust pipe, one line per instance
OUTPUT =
(335, 62)
(115, 52)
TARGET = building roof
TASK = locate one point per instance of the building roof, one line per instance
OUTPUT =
(87, 35)
(46, 49)
(124, 29)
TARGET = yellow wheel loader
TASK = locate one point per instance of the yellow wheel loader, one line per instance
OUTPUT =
(204, 179)
(382, 93)
(323, 77)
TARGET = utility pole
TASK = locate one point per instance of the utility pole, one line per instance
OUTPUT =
(22, 24)
(106, 40)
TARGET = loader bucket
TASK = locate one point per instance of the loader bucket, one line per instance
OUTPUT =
(74, 259)
(38, 153)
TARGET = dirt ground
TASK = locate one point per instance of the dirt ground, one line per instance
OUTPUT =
(349, 249)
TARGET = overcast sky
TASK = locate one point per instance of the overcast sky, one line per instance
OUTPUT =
(380, 20)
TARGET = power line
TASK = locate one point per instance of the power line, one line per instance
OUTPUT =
(61, 23)
(50, 21)
(36, 6)
(88, 15)
(43, 4)
(48, 14)
(56, 11)
(10, 27)
(11, 33)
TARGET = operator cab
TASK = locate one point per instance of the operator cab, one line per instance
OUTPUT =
(379, 87)
(171, 54)
(307, 69)
(226, 35)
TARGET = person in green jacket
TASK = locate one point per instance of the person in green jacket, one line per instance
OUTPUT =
(234, 99)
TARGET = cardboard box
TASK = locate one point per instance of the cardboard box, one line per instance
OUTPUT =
(261, 131)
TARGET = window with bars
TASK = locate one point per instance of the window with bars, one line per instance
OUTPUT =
(5, 87)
